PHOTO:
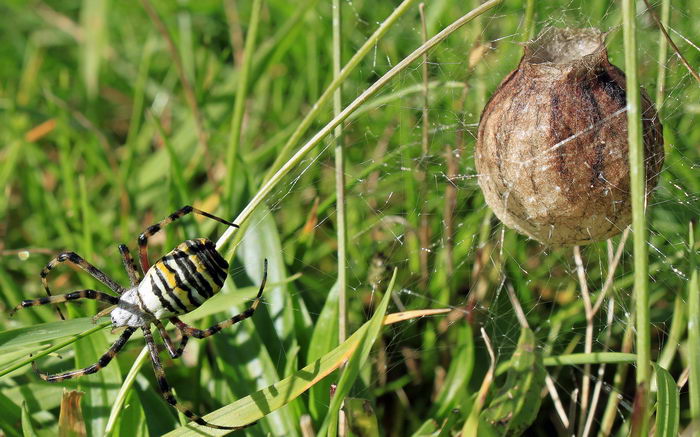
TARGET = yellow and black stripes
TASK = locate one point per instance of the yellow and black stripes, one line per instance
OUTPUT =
(164, 387)
(75, 295)
(183, 279)
(188, 330)
(101, 362)
(151, 230)
(178, 283)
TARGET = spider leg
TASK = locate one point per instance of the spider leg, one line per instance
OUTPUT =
(76, 260)
(151, 230)
(102, 362)
(188, 330)
(164, 387)
(129, 265)
(169, 345)
(75, 295)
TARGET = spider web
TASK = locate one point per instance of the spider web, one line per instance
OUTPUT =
(388, 219)
(394, 188)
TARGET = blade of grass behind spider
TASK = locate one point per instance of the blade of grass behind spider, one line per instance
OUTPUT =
(100, 388)
(257, 362)
(280, 321)
(287, 319)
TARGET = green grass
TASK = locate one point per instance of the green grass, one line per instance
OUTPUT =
(108, 127)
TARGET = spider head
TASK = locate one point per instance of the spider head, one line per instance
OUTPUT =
(128, 312)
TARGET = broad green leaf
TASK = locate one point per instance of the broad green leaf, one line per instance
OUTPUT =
(459, 373)
(428, 428)
(11, 415)
(667, 404)
(323, 339)
(450, 423)
(27, 427)
(287, 312)
(361, 417)
(515, 406)
(42, 333)
(100, 388)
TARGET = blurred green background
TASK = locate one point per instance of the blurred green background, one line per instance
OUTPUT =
(107, 128)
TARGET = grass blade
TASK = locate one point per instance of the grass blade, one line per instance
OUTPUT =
(639, 224)
(693, 332)
(352, 369)
(667, 404)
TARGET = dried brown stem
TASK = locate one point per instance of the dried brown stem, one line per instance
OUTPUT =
(670, 41)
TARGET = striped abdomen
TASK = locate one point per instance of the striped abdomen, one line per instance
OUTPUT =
(183, 279)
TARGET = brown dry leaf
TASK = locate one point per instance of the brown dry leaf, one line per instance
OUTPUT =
(477, 53)
(40, 131)
(407, 315)
(70, 420)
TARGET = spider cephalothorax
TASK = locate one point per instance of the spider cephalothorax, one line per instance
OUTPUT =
(176, 284)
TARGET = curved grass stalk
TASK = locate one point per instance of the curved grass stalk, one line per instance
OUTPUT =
(265, 190)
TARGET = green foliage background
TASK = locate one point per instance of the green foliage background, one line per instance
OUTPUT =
(121, 149)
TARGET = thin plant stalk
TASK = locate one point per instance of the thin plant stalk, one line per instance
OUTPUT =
(424, 229)
(640, 424)
(662, 28)
(124, 391)
(529, 25)
(291, 163)
(663, 55)
(675, 333)
(239, 102)
(339, 176)
(341, 224)
(556, 399)
(612, 267)
(588, 345)
(611, 409)
(693, 336)
(337, 81)
(601, 372)
(320, 104)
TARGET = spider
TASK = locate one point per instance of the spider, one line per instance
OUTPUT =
(176, 284)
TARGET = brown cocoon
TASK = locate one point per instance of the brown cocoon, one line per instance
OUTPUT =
(552, 154)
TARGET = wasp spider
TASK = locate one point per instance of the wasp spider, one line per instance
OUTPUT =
(176, 284)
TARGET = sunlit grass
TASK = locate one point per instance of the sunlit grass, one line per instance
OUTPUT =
(101, 138)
